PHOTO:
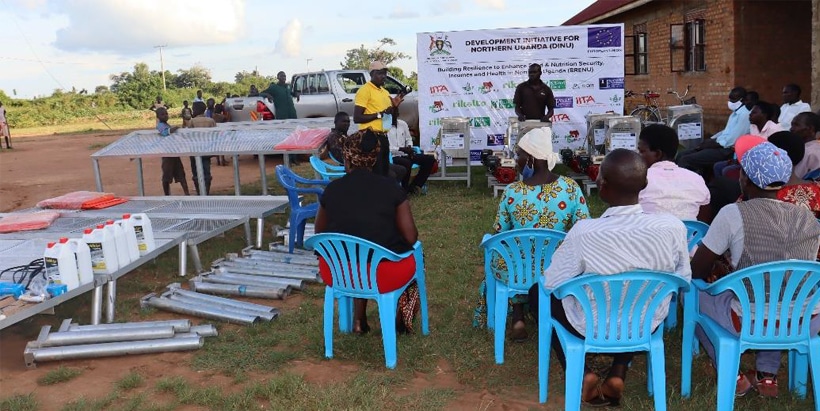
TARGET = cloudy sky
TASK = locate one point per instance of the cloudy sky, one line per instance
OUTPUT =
(51, 44)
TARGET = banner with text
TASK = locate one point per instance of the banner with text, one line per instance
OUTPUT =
(474, 74)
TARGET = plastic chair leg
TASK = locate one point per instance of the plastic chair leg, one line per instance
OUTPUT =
(672, 318)
(798, 373)
(687, 354)
(814, 367)
(387, 317)
(728, 364)
(345, 314)
(489, 296)
(657, 365)
(575, 377)
(291, 235)
(421, 282)
(500, 321)
(328, 322)
(544, 340)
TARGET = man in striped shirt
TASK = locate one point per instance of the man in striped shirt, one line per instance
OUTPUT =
(624, 238)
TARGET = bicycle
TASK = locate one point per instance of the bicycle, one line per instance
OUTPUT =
(651, 111)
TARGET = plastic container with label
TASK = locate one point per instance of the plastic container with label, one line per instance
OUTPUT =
(60, 265)
(82, 254)
(144, 232)
(103, 250)
(130, 237)
(123, 258)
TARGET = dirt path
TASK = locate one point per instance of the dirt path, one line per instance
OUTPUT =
(47, 166)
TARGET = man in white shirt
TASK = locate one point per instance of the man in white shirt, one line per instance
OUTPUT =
(806, 125)
(401, 147)
(792, 105)
(623, 239)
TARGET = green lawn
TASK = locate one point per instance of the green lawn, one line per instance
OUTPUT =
(451, 220)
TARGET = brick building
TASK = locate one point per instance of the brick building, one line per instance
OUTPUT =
(715, 45)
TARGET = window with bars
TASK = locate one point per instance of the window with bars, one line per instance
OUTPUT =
(695, 45)
(636, 48)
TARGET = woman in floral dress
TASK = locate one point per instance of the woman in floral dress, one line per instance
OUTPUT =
(542, 199)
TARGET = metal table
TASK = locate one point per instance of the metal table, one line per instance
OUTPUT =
(29, 250)
(227, 139)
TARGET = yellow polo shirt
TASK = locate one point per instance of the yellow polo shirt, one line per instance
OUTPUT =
(374, 100)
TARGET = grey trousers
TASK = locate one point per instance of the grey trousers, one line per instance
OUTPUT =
(718, 308)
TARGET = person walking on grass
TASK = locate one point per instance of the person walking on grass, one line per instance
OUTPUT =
(172, 168)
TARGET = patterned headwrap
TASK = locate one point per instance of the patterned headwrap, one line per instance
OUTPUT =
(360, 149)
(767, 166)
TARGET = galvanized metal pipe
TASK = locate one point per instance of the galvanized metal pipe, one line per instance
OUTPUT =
(34, 355)
(96, 304)
(151, 300)
(206, 330)
(267, 265)
(310, 259)
(110, 301)
(241, 290)
(267, 272)
(284, 249)
(258, 279)
(175, 289)
(267, 316)
(48, 339)
(179, 326)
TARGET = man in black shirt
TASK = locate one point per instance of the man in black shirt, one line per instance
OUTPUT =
(533, 99)
(341, 124)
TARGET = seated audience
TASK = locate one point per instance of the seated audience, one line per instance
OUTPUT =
(542, 199)
(373, 207)
(807, 125)
(719, 147)
(797, 191)
(762, 120)
(335, 141)
(758, 230)
(623, 239)
(792, 105)
(401, 147)
(670, 189)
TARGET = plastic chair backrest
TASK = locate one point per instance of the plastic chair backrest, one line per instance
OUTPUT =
(526, 252)
(695, 231)
(786, 292)
(290, 182)
(813, 175)
(327, 171)
(352, 261)
(613, 304)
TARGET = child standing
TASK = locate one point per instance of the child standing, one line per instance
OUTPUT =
(187, 115)
(172, 169)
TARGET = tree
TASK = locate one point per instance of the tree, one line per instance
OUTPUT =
(101, 89)
(195, 77)
(361, 57)
(138, 88)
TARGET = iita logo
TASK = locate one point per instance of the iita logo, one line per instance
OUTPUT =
(439, 45)
(486, 87)
(501, 104)
(468, 88)
(437, 107)
(560, 118)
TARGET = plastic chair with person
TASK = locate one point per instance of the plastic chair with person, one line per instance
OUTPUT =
(695, 230)
(614, 325)
(353, 265)
(526, 252)
(767, 322)
(299, 212)
(325, 170)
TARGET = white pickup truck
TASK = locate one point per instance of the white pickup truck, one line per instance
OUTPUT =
(325, 93)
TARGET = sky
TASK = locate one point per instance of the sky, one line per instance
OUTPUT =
(60, 44)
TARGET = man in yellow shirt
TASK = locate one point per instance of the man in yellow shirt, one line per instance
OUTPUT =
(374, 110)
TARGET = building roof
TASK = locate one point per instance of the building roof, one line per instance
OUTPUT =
(598, 9)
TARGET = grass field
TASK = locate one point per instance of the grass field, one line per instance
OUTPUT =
(451, 220)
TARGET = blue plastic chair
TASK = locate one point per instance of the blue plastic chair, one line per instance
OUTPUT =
(813, 175)
(616, 330)
(353, 262)
(527, 252)
(774, 330)
(695, 230)
(299, 213)
(326, 170)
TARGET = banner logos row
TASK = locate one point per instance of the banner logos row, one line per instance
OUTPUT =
(481, 87)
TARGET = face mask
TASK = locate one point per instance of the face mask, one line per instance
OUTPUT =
(734, 106)
(527, 172)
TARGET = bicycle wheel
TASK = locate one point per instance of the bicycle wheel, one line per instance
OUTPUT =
(646, 115)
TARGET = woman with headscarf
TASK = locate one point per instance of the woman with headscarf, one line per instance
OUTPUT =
(542, 199)
(373, 207)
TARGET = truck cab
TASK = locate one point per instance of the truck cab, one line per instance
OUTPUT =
(324, 93)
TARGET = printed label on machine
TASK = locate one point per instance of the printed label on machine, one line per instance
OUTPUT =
(689, 131)
(599, 135)
(623, 140)
(452, 141)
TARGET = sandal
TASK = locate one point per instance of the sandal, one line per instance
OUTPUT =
(766, 384)
(743, 385)
(597, 399)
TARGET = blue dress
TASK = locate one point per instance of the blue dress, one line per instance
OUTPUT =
(557, 206)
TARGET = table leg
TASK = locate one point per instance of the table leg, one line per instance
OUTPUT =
(97, 177)
(248, 238)
(140, 180)
(111, 301)
(264, 177)
(194, 251)
(260, 223)
(183, 258)
(96, 305)
(200, 175)
(237, 190)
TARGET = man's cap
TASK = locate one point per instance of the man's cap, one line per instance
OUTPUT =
(377, 65)
(746, 142)
(767, 166)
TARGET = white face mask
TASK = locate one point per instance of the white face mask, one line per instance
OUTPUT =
(734, 106)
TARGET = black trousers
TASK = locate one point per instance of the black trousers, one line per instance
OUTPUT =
(425, 163)
(206, 171)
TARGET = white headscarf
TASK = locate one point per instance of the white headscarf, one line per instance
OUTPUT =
(538, 143)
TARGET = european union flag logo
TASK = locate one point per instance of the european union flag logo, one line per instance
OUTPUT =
(604, 37)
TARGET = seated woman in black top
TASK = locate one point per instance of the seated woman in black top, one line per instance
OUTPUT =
(375, 208)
